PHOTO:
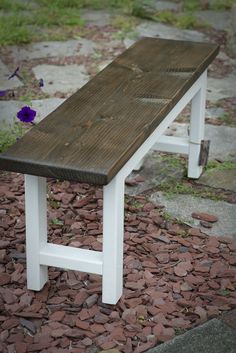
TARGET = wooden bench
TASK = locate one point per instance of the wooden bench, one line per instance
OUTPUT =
(99, 135)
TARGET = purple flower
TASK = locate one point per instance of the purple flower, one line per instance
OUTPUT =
(26, 114)
(3, 93)
(41, 83)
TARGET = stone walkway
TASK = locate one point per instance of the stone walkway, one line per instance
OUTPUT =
(67, 66)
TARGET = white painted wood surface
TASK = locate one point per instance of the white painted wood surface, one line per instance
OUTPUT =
(109, 262)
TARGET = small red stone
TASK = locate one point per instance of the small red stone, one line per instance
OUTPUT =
(205, 217)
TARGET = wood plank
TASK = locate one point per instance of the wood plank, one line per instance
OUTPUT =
(94, 132)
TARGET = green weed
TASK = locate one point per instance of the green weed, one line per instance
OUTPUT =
(224, 292)
(179, 331)
(57, 222)
(61, 4)
(184, 20)
(215, 165)
(191, 5)
(165, 17)
(175, 188)
(229, 119)
(14, 30)
(11, 5)
(195, 5)
(172, 161)
(9, 137)
(54, 204)
(126, 5)
(187, 21)
(166, 216)
(52, 16)
(221, 4)
(21, 27)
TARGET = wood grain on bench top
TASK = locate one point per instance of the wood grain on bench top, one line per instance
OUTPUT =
(94, 132)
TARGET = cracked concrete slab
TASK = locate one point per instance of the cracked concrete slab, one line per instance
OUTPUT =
(44, 107)
(152, 29)
(214, 113)
(53, 49)
(65, 79)
(212, 337)
(219, 88)
(155, 170)
(219, 20)
(182, 206)
(223, 179)
(6, 84)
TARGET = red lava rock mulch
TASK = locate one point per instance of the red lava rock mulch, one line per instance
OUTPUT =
(175, 277)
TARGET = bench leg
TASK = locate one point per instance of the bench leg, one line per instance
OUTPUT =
(196, 135)
(36, 230)
(139, 165)
(113, 230)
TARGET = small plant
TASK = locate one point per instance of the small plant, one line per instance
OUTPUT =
(224, 292)
(13, 31)
(228, 119)
(54, 204)
(175, 188)
(165, 17)
(24, 24)
(167, 216)
(179, 331)
(141, 319)
(221, 4)
(57, 222)
(26, 115)
(125, 25)
(7, 138)
(11, 5)
(191, 5)
(187, 21)
(215, 165)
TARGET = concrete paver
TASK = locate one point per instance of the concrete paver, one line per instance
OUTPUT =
(53, 49)
(219, 88)
(212, 337)
(153, 29)
(65, 79)
(220, 20)
(182, 206)
(224, 179)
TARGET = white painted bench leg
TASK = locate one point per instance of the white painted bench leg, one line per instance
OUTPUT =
(36, 230)
(113, 234)
(197, 120)
(139, 165)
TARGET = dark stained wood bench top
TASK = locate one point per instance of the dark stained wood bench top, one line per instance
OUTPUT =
(94, 132)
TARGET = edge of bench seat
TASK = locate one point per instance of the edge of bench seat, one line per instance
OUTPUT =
(91, 136)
